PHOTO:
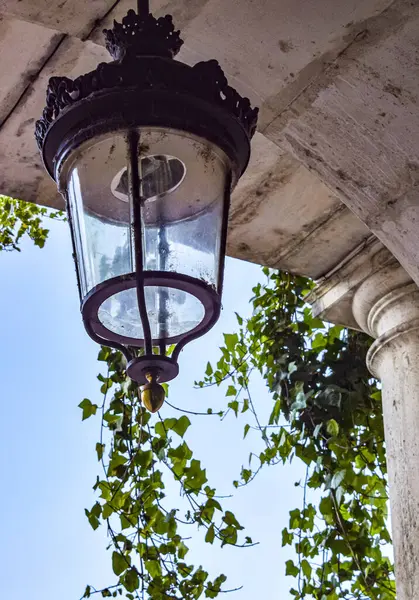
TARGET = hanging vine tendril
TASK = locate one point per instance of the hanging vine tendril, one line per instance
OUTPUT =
(326, 411)
(138, 453)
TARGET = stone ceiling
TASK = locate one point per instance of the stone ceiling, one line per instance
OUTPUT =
(336, 154)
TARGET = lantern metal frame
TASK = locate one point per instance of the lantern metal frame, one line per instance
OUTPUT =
(145, 88)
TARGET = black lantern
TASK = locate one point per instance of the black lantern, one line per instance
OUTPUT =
(146, 151)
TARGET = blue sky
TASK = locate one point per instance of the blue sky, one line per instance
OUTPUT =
(48, 551)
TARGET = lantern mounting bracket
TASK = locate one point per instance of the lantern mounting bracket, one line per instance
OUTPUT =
(143, 35)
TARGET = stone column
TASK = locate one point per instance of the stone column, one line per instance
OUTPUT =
(386, 306)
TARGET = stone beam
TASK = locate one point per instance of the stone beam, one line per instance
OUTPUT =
(358, 129)
(74, 17)
(283, 216)
(21, 171)
(23, 62)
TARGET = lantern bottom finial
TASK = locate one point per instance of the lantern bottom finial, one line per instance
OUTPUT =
(152, 394)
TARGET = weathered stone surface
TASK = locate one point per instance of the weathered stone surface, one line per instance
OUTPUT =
(75, 17)
(359, 131)
(332, 298)
(282, 215)
(386, 306)
(263, 46)
(337, 84)
(31, 54)
(24, 176)
(372, 292)
(21, 63)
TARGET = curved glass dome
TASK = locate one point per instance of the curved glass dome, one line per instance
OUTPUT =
(171, 313)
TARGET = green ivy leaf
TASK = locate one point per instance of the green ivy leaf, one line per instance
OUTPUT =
(131, 580)
(104, 354)
(210, 535)
(230, 519)
(107, 510)
(119, 563)
(338, 478)
(291, 569)
(143, 458)
(116, 461)
(332, 427)
(93, 519)
(339, 495)
(230, 340)
(306, 568)
(287, 537)
(234, 405)
(195, 476)
(88, 408)
(239, 319)
(99, 450)
(319, 341)
(160, 429)
(181, 425)
(153, 567)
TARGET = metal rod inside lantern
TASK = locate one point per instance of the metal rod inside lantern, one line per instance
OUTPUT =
(163, 295)
(136, 200)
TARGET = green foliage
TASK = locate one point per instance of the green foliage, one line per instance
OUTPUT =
(326, 412)
(148, 548)
(88, 409)
(18, 218)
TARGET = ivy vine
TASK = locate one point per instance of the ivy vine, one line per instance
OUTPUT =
(326, 411)
(149, 554)
(19, 219)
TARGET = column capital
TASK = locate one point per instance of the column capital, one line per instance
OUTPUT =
(372, 292)
(332, 298)
(386, 306)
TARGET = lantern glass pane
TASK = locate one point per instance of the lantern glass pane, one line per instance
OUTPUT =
(182, 226)
(101, 225)
(182, 187)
